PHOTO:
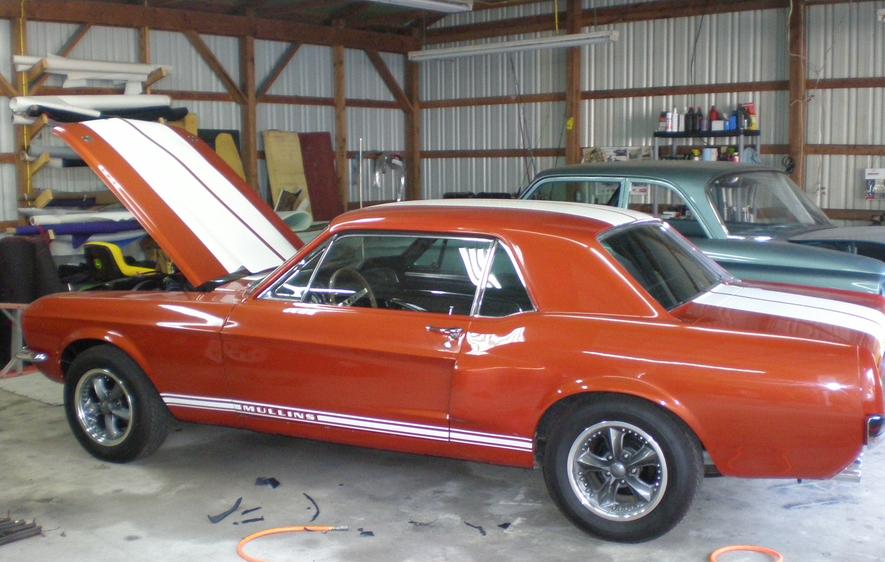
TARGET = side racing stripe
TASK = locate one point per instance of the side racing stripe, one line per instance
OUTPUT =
(347, 421)
(799, 307)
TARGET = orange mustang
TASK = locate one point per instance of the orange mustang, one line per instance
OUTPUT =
(594, 342)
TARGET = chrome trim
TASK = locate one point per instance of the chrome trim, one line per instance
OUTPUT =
(852, 472)
(26, 355)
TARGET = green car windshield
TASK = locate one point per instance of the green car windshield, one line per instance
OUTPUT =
(762, 203)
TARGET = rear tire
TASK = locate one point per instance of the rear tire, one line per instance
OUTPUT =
(622, 469)
(113, 409)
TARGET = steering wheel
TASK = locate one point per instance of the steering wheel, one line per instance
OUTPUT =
(350, 274)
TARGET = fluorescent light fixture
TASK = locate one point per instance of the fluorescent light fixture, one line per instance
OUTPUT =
(557, 41)
(433, 5)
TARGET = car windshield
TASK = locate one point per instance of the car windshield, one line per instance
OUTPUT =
(665, 264)
(756, 203)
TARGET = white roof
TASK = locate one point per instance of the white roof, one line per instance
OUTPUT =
(611, 215)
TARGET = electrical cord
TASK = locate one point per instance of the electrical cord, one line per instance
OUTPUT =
(775, 555)
(241, 548)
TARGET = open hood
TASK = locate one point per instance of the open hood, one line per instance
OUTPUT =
(209, 221)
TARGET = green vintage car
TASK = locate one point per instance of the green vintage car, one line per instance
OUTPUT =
(752, 220)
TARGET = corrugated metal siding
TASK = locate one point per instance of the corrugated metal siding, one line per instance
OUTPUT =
(308, 74)
(362, 81)
(736, 47)
(189, 72)
(298, 118)
(843, 116)
(530, 125)
(846, 40)
(478, 174)
(837, 182)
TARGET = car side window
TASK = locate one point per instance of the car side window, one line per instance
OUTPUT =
(295, 283)
(598, 192)
(664, 202)
(505, 292)
(401, 272)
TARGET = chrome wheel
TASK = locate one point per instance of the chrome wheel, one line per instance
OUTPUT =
(617, 471)
(103, 407)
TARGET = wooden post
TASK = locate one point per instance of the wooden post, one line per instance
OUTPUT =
(18, 36)
(249, 111)
(574, 63)
(341, 125)
(414, 188)
(144, 49)
(798, 46)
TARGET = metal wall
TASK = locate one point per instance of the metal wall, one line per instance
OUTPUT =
(738, 47)
(845, 41)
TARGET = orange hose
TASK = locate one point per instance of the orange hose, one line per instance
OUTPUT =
(241, 548)
(775, 555)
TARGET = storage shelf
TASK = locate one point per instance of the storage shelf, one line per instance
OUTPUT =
(705, 134)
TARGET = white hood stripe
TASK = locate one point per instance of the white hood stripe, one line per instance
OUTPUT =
(230, 227)
(799, 307)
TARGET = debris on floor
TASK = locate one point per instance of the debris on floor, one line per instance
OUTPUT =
(220, 517)
(477, 527)
(505, 526)
(14, 530)
(421, 523)
(316, 507)
(365, 533)
(267, 481)
(246, 521)
(250, 510)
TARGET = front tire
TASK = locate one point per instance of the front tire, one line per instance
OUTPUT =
(622, 469)
(113, 409)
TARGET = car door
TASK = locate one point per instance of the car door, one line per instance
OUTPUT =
(358, 342)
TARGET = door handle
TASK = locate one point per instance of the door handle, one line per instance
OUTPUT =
(451, 333)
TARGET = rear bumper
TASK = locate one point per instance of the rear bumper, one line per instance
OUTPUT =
(26, 355)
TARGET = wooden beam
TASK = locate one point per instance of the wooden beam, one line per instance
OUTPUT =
(144, 56)
(797, 45)
(34, 128)
(389, 80)
(8, 158)
(495, 153)
(493, 100)
(278, 68)
(574, 62)
(215, 65)
(846, 149)
(846, 83)
(65, 50)
(249, 114)
(341, 124)
(777, 85)
(855, 214)
(174, 94)
(172, 19)
(414, 154)
(601, 16)
(329, 102)
(6, 88)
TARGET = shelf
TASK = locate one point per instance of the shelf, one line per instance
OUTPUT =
(704, 134)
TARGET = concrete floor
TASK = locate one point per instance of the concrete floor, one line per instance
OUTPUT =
(156, 509)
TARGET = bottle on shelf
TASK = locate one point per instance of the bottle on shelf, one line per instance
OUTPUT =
(690, 121)
(700, 122)
(662, 121)
(674, 120)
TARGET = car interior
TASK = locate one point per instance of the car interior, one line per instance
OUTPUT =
(415, 273)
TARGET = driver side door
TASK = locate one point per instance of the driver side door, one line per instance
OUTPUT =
(358, 342)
